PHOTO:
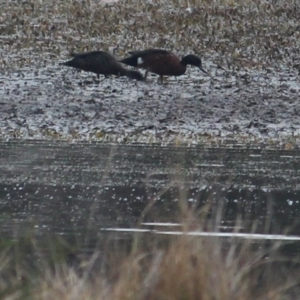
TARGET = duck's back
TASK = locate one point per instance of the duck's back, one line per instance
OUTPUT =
(144, 53)
(99, 62)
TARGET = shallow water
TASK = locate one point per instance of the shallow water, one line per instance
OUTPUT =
(62, 188)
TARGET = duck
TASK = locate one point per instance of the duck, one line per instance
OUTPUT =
(101, 62)
(162, 62)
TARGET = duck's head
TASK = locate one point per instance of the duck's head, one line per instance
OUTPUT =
(193, 60)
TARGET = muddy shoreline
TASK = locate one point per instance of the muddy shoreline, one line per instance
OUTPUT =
(59, 103)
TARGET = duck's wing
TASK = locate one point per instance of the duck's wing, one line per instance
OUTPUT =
(138, 58)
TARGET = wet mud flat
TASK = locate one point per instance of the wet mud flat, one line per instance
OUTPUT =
(62, 187)
(55, 102)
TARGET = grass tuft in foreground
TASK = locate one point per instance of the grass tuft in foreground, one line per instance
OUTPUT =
(150, 267)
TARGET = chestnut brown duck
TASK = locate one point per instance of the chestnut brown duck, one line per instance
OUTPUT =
(101, 62)
(161, 62)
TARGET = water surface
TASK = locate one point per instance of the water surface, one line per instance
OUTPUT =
(63, 188)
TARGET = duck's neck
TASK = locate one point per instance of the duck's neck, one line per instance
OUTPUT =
(183, 62)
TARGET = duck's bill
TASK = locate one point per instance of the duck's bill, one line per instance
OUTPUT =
(203, 70)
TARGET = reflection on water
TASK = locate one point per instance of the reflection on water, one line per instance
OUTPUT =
(250, 236)
(62, 188)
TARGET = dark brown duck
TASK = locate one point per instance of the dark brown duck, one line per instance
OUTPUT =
(162, 62)
(101, 62)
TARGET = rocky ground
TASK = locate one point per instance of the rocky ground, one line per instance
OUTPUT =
(247, 96)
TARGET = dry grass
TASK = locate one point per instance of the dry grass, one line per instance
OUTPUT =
(187, 269)
(153, 268)
(236, 34)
